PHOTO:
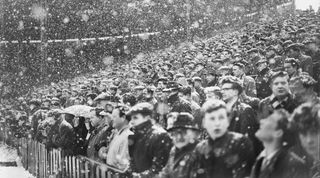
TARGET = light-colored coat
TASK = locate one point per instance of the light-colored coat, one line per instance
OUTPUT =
(118, 151)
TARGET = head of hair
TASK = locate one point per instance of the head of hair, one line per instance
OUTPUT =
(306, 117)
(215, 89)
(278, 74)
(306, 80)
(129, 98)
(294, 62)
(213, 105)
(284, 125)
(236, 83)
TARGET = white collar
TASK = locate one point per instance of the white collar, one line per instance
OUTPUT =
(270, 156)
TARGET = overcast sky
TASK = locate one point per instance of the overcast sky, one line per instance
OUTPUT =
(304, 4)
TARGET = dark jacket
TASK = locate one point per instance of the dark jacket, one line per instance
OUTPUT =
(202, 94)
(284, 164)
(262, 82)
(179, 162)
(244, 121)
(229, 156)
(98, 138)
(178, 104)
(249, 86)
(306, 64)
(149, 149)
(63, 136)
(269, 104)
(37, 117)
(307, 160)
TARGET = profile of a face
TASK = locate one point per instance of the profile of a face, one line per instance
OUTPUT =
(216, 123)
(268, 130)
(137, 119)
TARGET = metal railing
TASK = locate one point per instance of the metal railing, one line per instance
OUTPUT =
(42, 163)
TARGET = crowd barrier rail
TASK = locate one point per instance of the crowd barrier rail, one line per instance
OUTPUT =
(52, 163)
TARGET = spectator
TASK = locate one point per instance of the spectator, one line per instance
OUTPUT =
(231, 152)
(275, 160)
(242, 116)
(98, 137)
(184, 133)
(117, 153)
(302, 88)
(280, 97)
(150, 145)
(307, 122)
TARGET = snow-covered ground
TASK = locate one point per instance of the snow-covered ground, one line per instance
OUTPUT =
(8, 154)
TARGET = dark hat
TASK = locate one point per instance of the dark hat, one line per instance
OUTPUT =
(140, 87)
(46, 100)
(253, 50)
(218, 60)
(92, 95)
(113, 87)
(261, 61)
(287, 43)
(292, 61)
(295, 46)
(179, 75)
(224, 68)
(239, 64)
(212, 72)
(196, 79)
(55, 99)
(173, 85)
(270, 48)
(35, 102)
(141, 108)
(102, 96)
(183, 120)
(164, 79)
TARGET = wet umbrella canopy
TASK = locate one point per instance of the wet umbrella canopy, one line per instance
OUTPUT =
(79, 110)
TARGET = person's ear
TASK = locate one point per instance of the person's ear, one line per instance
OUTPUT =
(278, 133)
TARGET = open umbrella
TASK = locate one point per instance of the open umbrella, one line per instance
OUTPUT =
(79, 110)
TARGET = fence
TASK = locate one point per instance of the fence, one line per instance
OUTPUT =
(42, 163)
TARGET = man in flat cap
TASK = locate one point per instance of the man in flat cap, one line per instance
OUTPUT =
(138, 91)
(249, 85)
(313, 50)
(212, 78)
(176, 103)
(150, 145)
(291, 66)
(305, 62)
(184, 133)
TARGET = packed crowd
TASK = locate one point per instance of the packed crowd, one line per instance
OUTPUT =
(240, 104)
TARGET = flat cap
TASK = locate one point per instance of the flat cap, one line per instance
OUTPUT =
(141, 108)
